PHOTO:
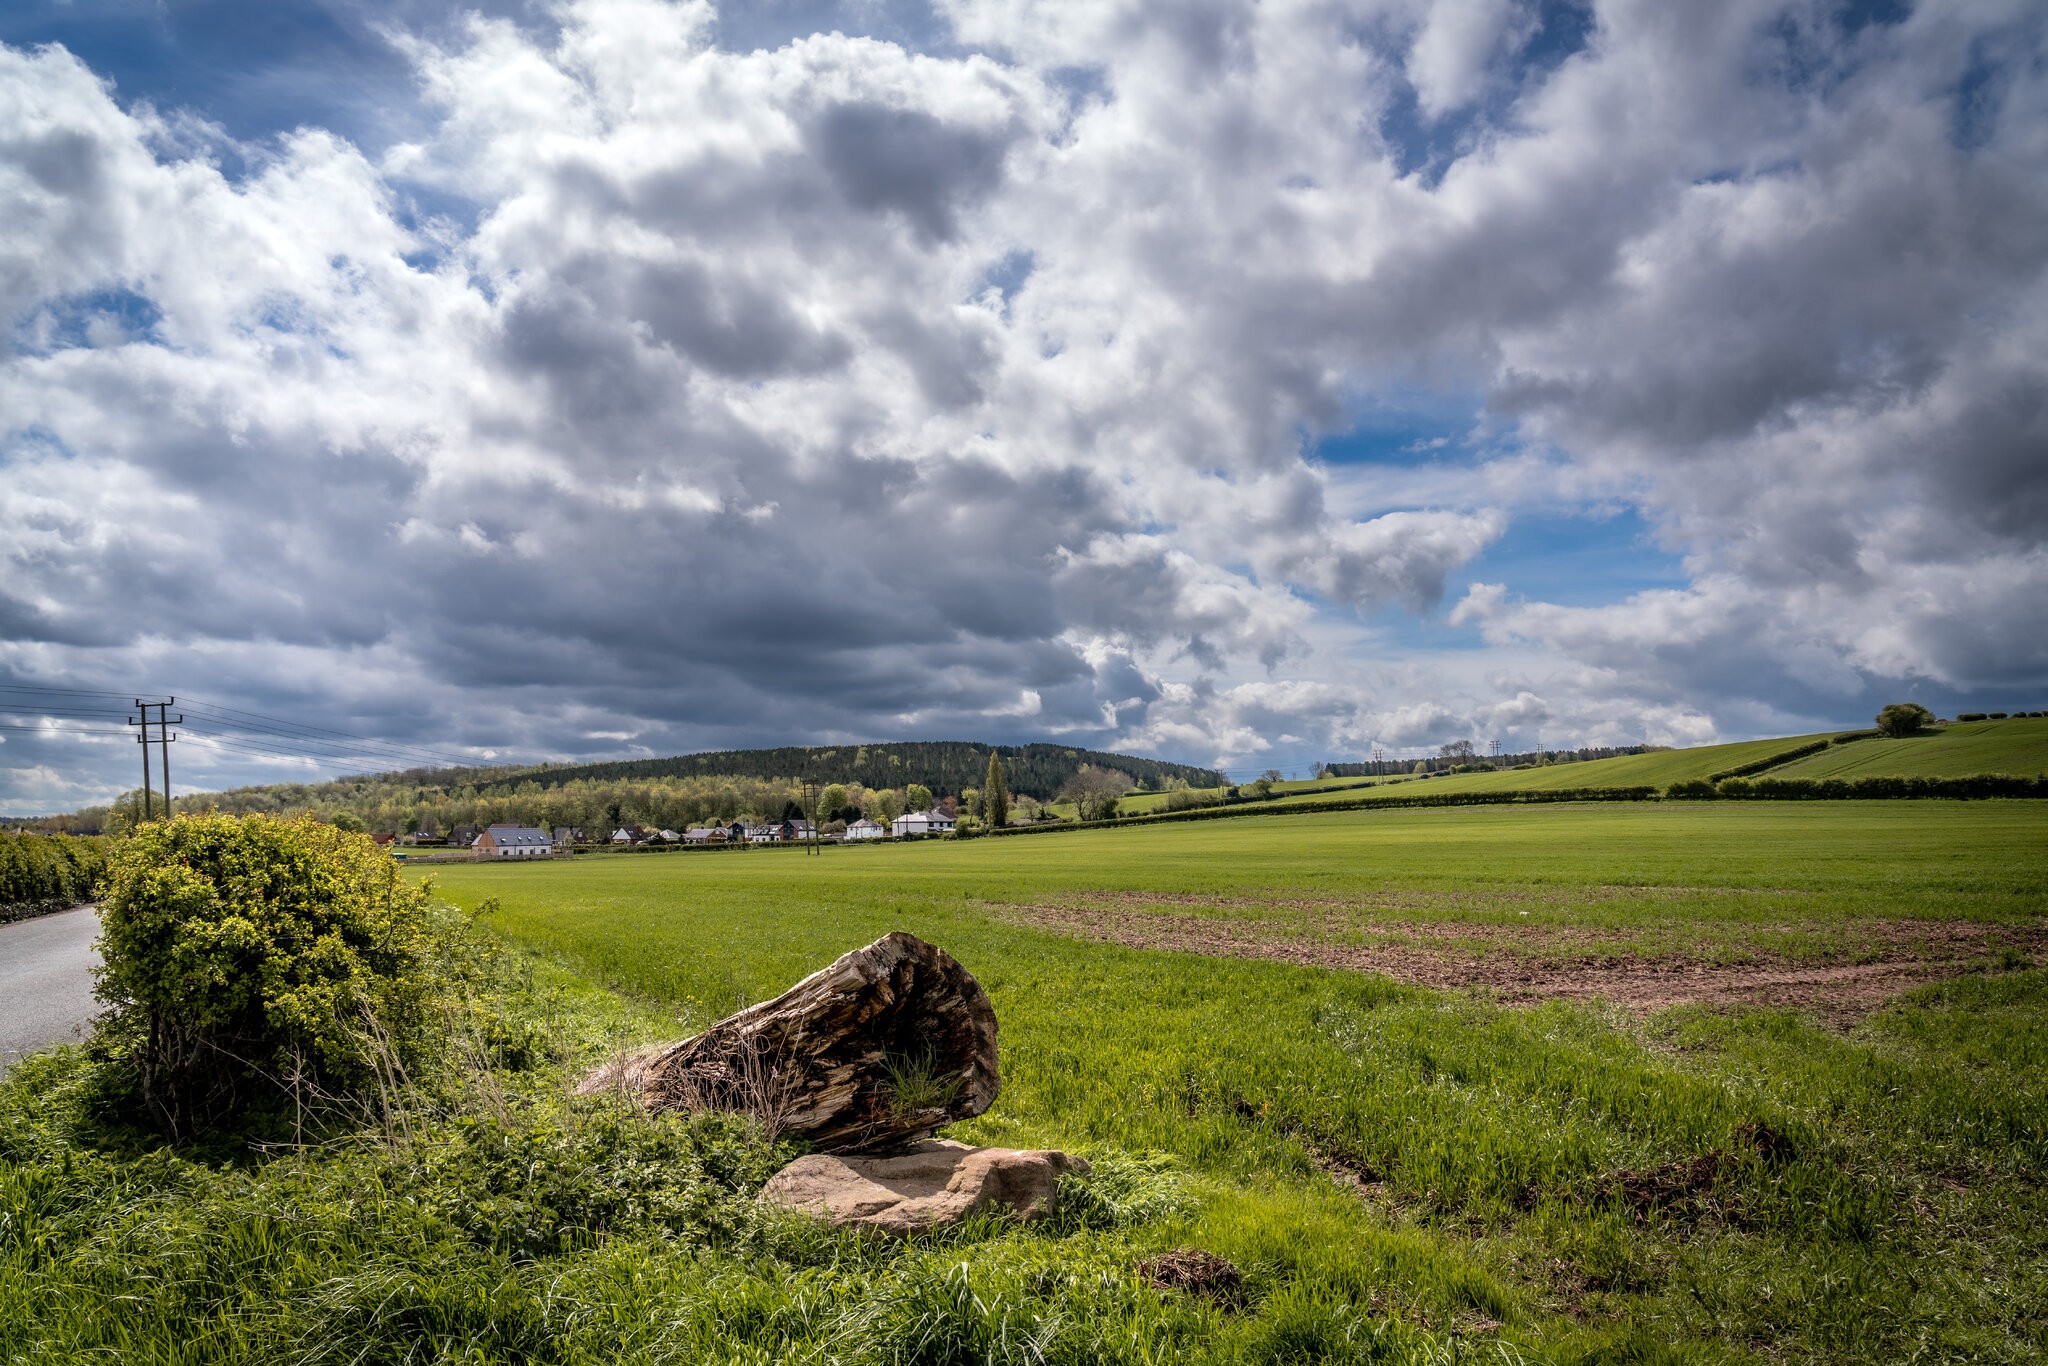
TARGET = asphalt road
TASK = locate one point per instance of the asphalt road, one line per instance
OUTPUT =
(46, 980)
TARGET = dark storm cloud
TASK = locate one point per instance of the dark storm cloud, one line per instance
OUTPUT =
(908, 162)
(720, 413)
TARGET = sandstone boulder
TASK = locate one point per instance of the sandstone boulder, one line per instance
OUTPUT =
(936, 1183)
(871, 1054)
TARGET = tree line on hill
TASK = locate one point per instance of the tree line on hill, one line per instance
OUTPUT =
(1461, 754)
(600, 798)
(947, 767)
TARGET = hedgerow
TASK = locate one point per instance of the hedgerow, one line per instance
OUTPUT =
(1979, 786)
(1292, 808)
(42, 873)
(1772, 760)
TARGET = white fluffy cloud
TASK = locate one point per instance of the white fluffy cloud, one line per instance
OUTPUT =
(832, 388)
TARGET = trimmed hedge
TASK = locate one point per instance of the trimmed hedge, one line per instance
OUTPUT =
(1771, 760)
(44, 873)
(1971, 788)
(1215, 813)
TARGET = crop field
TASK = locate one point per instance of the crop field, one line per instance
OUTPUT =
(1660, 768)
(1706, 1083)
(2017, 745)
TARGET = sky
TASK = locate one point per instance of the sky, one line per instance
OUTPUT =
(1246, 384)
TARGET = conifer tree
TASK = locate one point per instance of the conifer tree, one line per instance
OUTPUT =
(995, 795)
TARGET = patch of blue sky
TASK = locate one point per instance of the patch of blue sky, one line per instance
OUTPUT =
(33, 442)
(1978, 97)
(1589, 558)
(1402, 427)
(1008, 275)
(96, 318)
(256, 68)
(753, 25)
(1426, 147)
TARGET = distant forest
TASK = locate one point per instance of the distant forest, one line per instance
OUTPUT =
(947, 767)
(1465, 756)
(663, 793)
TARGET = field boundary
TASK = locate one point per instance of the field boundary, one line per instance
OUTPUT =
(1269, 808)
(1974, 788)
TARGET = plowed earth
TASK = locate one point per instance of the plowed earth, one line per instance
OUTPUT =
(1839, 972)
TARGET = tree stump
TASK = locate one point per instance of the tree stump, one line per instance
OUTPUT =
(869, 1055)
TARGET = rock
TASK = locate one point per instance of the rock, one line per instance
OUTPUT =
(936, 1183)
(871, 1054)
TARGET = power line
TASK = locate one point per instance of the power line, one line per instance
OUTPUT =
(238, 719)
(289, 726)
(69, 692)
(18, 709)
(60, 729)
(339, 751)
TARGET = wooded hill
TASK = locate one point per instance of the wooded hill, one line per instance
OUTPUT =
(947, 767)
(754, 784)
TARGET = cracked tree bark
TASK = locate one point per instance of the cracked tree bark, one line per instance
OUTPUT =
(869, 1055)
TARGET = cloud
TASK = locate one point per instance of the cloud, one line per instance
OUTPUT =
(667, 386)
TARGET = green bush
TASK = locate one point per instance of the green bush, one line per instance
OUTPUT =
(40, 873)
(1901, 719)
(248, 957)
(1692, 790)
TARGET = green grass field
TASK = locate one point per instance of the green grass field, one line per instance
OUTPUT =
(1489, 1139)
(1713, 1083)
(1659, 769)
(2017, 745)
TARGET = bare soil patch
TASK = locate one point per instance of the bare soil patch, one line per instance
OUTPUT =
(1198, 1272)
(1853, 968)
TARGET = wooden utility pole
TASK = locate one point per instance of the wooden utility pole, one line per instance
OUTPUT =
(163, 740)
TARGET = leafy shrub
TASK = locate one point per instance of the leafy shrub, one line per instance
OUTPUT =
(1997, 716)
(1694, 790)
(1971, 716)
(1906, 718)
(41, 873)
(247, 954)
(537, 1189)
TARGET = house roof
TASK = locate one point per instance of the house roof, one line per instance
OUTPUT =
(505, 836)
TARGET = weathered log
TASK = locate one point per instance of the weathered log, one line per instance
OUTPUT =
(871, 1054)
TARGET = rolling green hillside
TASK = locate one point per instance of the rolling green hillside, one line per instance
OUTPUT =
(2018, 746)
(1659, 768)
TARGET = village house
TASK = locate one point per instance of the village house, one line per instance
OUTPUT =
(513, 841)
(865, 829)
(922, 823)
(705, 834)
